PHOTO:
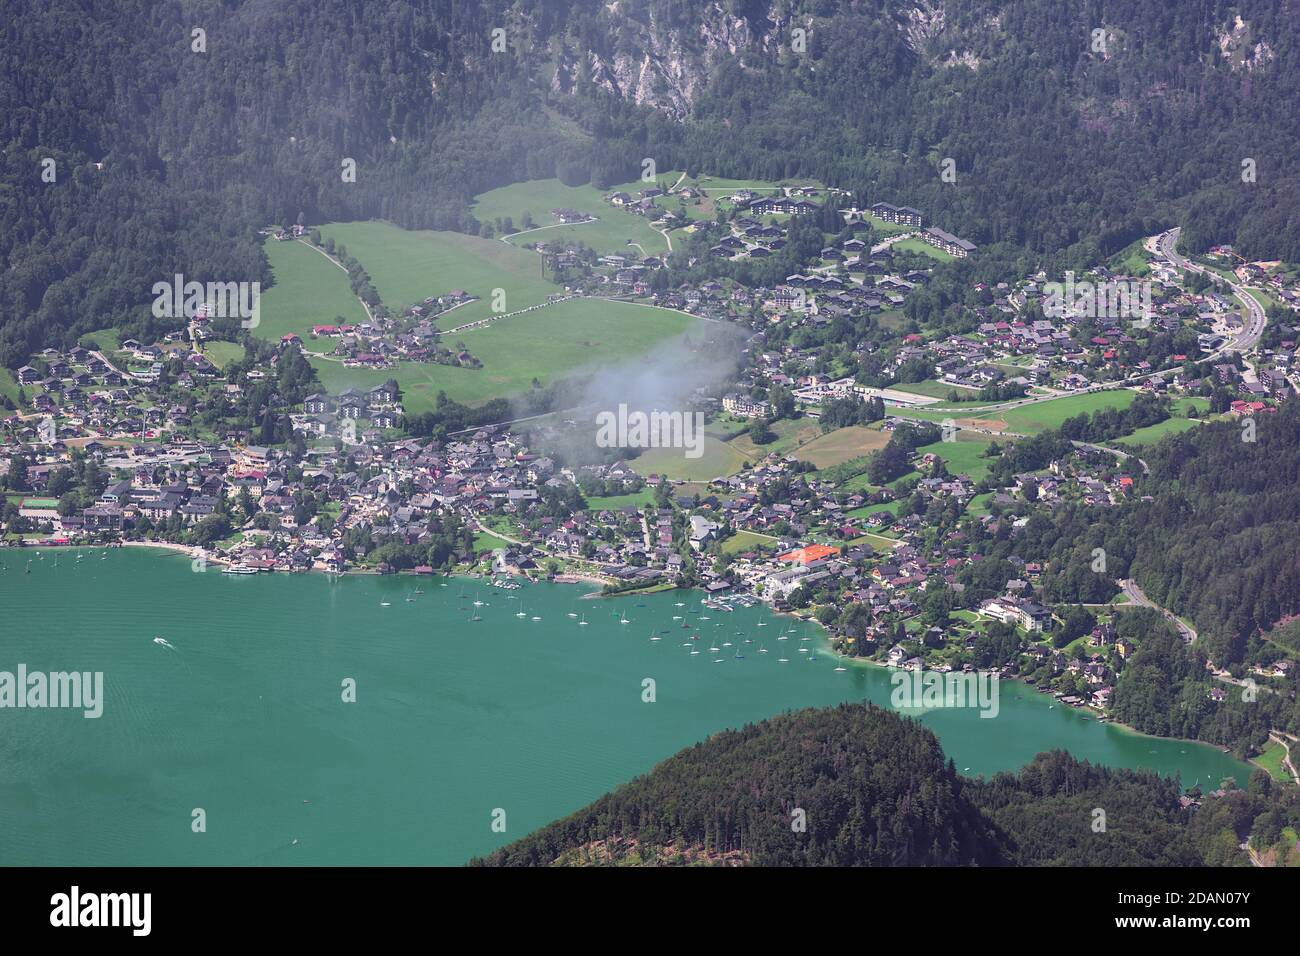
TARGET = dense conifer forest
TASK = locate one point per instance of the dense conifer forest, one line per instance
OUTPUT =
(168, 157)
(860, 786)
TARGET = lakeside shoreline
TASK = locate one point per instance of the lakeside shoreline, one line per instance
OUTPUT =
(575, 579)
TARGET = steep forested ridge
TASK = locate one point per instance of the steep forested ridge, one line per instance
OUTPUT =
(875, 790)
(1061, 150)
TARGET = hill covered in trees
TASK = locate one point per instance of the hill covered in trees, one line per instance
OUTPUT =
(177, 131)
(857, 785)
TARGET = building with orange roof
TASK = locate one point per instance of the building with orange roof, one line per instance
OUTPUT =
(811, 556)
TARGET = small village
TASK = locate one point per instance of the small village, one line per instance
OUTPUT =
(336, 483)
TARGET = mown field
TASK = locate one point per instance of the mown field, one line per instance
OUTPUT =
(408, 266)
(963, 456)
(550, 343)
(1024, 419)
(719, 459)
(547, 343)
(309, 290)
(837, 447)
(924, 248)
(609, 233)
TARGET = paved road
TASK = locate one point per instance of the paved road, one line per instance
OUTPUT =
(1253, 327)
(1139, 599)
(1122, 455)
(1243, 341)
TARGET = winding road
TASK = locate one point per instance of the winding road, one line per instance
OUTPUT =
(1139, 599)
(1253, 327)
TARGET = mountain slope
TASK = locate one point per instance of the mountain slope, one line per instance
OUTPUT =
(169, 159)
(873, 788)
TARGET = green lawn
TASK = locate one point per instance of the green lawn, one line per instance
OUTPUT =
(407, 267)
(719, 459)
(1032, 419)
(309, 290)
(746, 541)
(1270, 758)
(608, 234)
(1153, 433)
(962, 457)
(488, 542)
(550, 343)
(221, 353)
(8, 385)
(106, 340)
(924, 248)
(887, 228)
(931, 388)
(638, 499)
(890, 506)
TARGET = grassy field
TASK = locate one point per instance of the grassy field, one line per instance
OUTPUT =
(890, 506)
(638, 499)
(488, 542)
(309, 290)
(962, 456)
(1032, 419)
(609, 233)
(106, 340)
(1153, 433)
(932, 389)
(1270, 758)
(790, 434)
(747, 541)
(221, 353)
(924, 248)
(839, 446)
(408, 266)
(1133, 260)
(719, 459)
(8, 385)
(550, 343)
(887, 228)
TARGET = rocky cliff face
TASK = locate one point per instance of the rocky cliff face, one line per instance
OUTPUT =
(664, 65)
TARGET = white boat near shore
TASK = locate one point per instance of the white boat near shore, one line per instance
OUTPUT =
(239, 569)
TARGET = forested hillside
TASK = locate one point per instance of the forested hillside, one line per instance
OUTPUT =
(874, 789)
(168, 159)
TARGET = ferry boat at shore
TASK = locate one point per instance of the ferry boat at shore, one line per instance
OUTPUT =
(239, 569)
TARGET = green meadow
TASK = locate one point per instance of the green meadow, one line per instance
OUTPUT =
(1024, 419)
(718, 460)
(609, 233)
(550, 343)
(963, 456)
(408, 267)
(1043, 416)
(309, 290)
(8, 385)
(924, 248)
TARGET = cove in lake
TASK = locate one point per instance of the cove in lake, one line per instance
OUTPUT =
(243, 714)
